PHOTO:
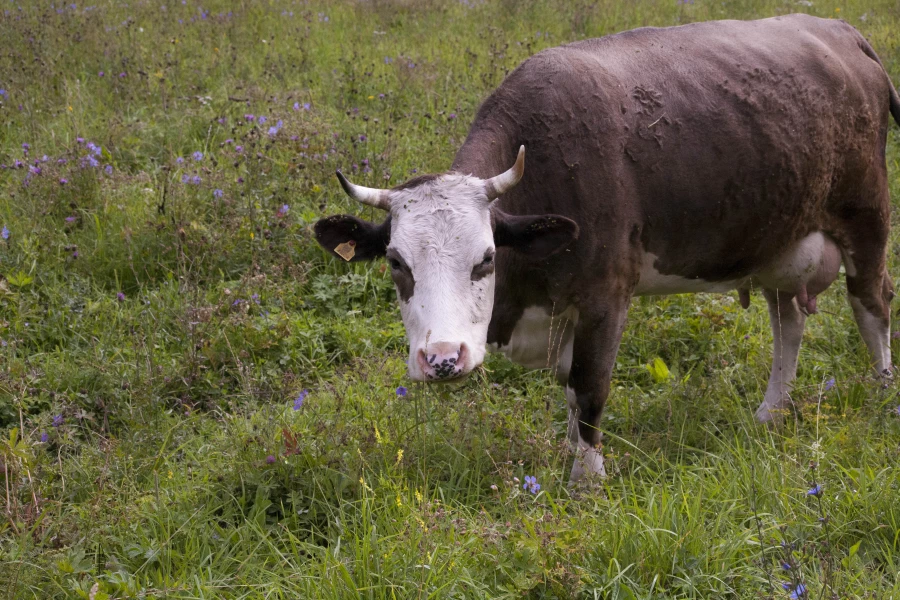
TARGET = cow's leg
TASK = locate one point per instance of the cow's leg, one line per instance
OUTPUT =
(597, 336)
(868, 282)
(787, 331)
(870, 297)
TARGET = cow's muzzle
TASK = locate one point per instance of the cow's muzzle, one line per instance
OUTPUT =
(443, 361)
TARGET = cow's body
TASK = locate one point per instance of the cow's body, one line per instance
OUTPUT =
(708, 157)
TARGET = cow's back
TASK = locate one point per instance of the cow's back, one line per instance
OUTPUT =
(713, 144)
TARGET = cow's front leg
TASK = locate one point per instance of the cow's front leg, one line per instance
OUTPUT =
(597, 337)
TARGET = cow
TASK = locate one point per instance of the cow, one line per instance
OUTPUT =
(709, 157)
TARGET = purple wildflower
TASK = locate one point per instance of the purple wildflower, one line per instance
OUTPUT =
(101, 74)
(26, 147)
(531, 484)
(249, 117)
(63, 181)
(57, 421)
(185, 178)
(238, 148)
(816, 491)
(798, 592)
(296, 106)
(388, 60)
(262, 120)
(4, 93)
(306, 106)
(402, 391)
(197, 156)
(44, 437)
(218, 193)
(195, 180)
(108, 169)
(273, 131)
(451, 116)
(222, 120)
(786, 566)
(829, 384)
(284, 209)
(229, 141)
(362, 137)
(270, 459)
(120, 296)
(122, 75)
(298, 402)
(4, 233)
(179, 160)
(70, 219)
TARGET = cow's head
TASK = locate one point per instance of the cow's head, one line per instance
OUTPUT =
(440, 240)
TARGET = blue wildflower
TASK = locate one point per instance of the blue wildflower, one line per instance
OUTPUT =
(44, 437)
(296, 106)
(262, 120)
(108, 169)
(4, 93)
(195, 180)
(218, 193)
(829, 384)
(273, 131)
(57, 420)
(798, 592)
(120, 297)
(786, 585)
(531, 484)
(249, 117)
(816, 491)
(298, 403)
(306, 106)
(786, 566)
(4, 233)
(255, 298)
(402, 391)
(26, 147)
(179, 160)
(197, 156)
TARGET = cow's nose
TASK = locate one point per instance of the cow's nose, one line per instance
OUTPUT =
(443, 360)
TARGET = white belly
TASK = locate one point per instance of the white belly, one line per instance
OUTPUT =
(796, 266)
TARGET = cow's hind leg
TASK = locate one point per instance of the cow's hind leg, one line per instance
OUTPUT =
(871, 290)
(787, 331)
(865, 231)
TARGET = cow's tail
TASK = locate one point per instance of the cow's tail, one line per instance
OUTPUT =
(892, 91)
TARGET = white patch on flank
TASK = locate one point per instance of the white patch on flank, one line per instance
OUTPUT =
(791, 269)
(654, 283)
(875, 333)
(542, 341)
(442, 229)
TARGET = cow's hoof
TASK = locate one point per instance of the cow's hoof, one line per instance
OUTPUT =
(588, 462)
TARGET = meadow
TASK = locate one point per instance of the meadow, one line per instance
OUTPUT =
(197, 402)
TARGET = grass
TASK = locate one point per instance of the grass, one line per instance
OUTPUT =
(149, 441)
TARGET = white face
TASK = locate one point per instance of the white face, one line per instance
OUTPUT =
(441, 258)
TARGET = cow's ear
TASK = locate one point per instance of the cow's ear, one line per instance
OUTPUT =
(353, 239)
(534, 235)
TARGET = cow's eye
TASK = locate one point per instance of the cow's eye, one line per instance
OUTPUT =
(488, 260)
(396, 265)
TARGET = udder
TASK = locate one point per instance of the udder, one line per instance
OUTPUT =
(806, 270)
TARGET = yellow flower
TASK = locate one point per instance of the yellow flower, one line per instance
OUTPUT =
(377, 435)
(399, 455)
(70, 108)
(399, 502)
(418, 496)
(370, 98)
(170, 474)
(252, 235)
(837, 9)
(316, 188)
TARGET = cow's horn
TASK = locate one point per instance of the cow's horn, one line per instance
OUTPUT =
(371, 196)
(495, 186)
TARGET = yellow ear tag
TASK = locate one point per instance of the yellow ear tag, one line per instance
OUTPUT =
(347, 250)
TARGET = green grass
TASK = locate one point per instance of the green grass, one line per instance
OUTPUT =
(161, 409)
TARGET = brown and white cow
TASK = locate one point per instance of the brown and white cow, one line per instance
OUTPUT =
(708, 157)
